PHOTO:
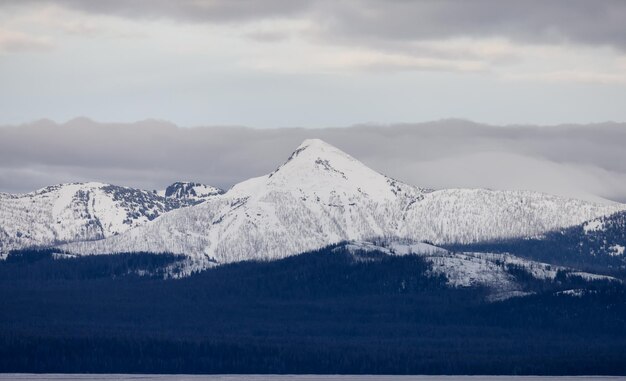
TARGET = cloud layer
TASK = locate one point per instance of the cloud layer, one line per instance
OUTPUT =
(584, 161)
(313, 63)
(535, 20)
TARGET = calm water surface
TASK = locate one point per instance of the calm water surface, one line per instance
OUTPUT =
(136, 377)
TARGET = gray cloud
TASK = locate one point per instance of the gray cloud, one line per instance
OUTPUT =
(535, 20)
(183, 10)
(369, 21)
(585, 161)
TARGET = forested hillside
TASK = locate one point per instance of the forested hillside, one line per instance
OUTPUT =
(329, 311)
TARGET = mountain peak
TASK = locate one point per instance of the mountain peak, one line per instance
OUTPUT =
(191, 190)
(314, 143)
(320, 171)
(319, 148)
(314, 158)
(318, 153)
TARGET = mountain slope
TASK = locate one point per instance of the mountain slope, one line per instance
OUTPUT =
(77, 212)
(598, 244)
(322, 195)
(473, 215)
(501, 275)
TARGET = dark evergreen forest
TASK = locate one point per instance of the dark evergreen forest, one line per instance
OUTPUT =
(320, 312)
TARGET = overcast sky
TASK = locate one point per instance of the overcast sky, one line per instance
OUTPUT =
(259, 69)
(284, 63)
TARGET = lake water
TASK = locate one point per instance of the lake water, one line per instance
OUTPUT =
(139, 377)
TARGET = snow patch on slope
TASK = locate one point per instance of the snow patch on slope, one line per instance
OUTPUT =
(592, 226)
(616, 250)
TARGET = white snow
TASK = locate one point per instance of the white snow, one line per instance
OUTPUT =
(593, 226)
(616, 250)
(203, 190)
(577, 292)
(415, 248)
(364, 246)
(591, 277)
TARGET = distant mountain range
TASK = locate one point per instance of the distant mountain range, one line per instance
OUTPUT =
(319, 197)
(86, 211)
(321, 266)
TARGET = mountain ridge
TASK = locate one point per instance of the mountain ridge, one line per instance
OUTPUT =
(77, 211)
(321, 195)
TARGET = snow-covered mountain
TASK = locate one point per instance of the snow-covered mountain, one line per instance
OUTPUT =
(322, 195)
(78, 212)
(190, 192)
